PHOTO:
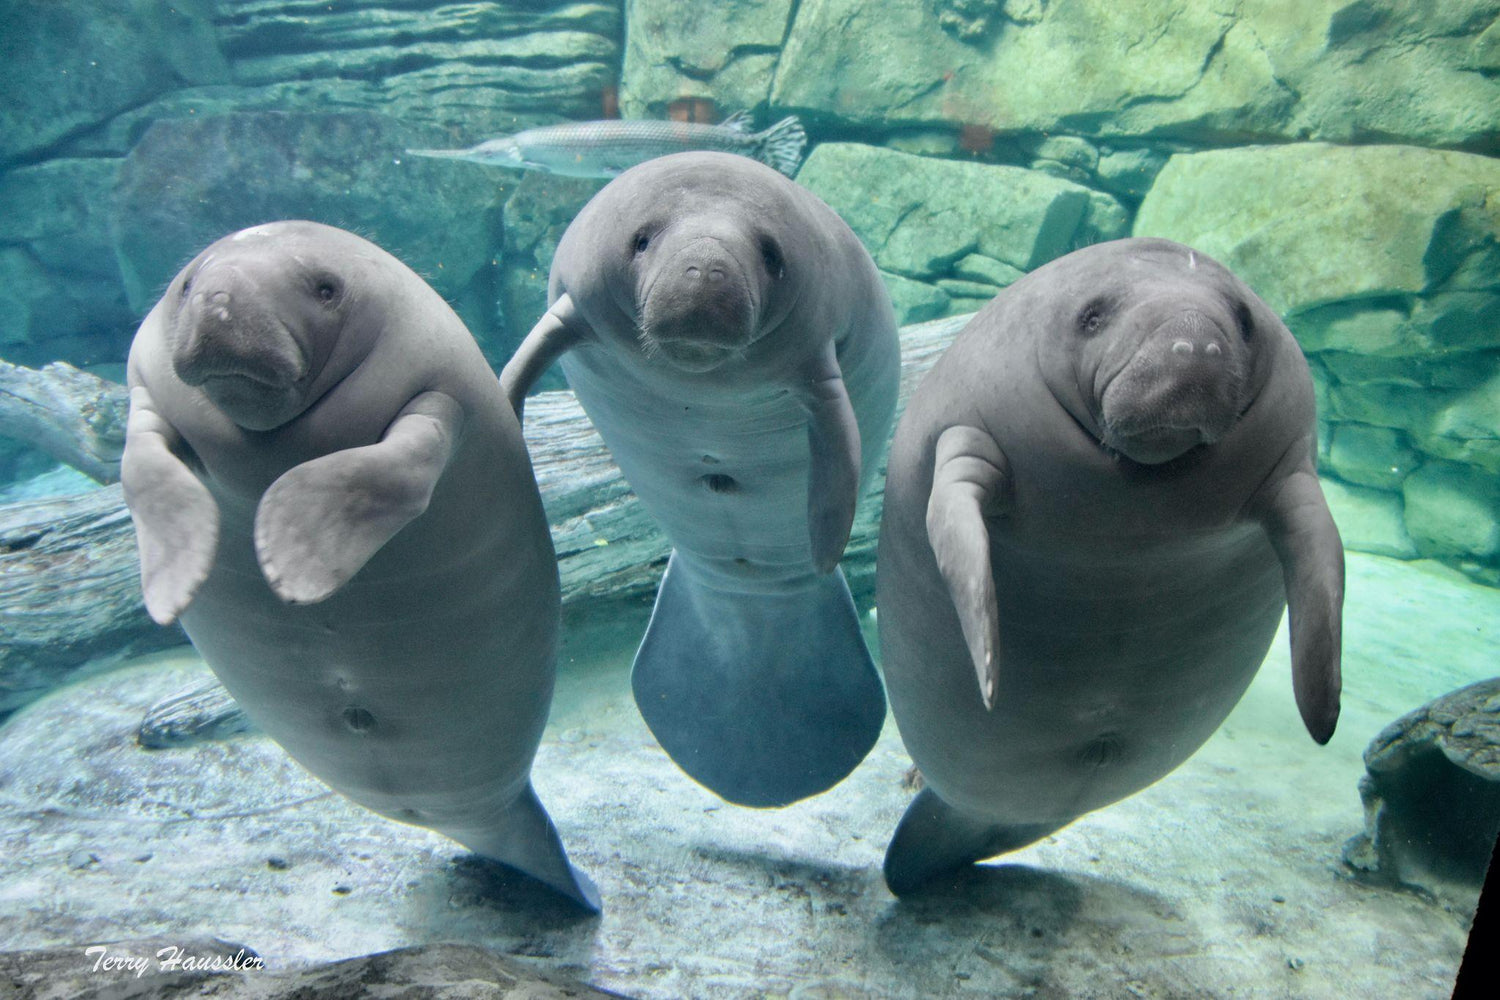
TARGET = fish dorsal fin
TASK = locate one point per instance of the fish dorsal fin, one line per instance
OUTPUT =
(740, 121)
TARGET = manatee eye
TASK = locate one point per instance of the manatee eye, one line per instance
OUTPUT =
(1245, 318)
(641, 242)
(1091, 317)
(327, 289)
(771, 254)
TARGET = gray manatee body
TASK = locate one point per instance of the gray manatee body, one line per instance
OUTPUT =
(1098, 504)
(332, 494)
(732, 342)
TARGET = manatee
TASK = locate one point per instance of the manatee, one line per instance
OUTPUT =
(1099, 503)
(331, 493)
(732, 342)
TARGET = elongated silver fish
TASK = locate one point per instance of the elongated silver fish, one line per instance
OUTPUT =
(607, 148)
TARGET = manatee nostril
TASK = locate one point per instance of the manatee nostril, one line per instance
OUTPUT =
(359, 720)
(717, 274)
(1182, 347)
(692, 272)
(1213, 350)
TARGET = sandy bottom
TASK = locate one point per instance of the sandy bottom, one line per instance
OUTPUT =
(1224, 879)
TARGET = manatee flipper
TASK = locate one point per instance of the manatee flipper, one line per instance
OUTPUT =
(553, 335)
(1306, 540)
(934, 839)
(833, 446)
(969, 481)
(176, 518)
(321, 521)
(526, 839)
(764, 698)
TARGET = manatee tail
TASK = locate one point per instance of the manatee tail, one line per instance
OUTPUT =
(933, 839)
(526, 840)
(762, 698)
(781, 145)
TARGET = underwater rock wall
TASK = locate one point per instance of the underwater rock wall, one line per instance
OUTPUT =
(134, 134)
(1340, 154)
(1383, 260)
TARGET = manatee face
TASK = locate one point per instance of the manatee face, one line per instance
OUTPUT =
(703, 263)
(254, 318)
(1151, 346)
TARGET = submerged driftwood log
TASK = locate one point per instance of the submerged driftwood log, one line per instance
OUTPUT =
(76, 417)
(69, 586)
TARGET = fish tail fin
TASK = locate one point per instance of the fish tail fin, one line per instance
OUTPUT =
(524, 838)
(763, 698)
(781, 145)
(740, 121)
(933, 839)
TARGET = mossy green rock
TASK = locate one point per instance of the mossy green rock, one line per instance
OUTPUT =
(920, 216)
(1453, 510)
(1369, 520)
(1311, 223)
(1468, 428)
(915, 301)
(1371, 456)
(725, 52)
(1213, 73)
(1381, 404)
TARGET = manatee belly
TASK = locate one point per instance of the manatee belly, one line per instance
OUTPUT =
(726, 478)
(418, 691)
(1116, 665)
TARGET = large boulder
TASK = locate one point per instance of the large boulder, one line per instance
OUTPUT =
(1309, 224)
(60, 289)
(68, 65)
(963, 228)
(1371, 456)
(1453, 510)
(190, 181)
(1369, 520)
(1210, 73)
(724, 52)
(1431, 794)
(1466, 427)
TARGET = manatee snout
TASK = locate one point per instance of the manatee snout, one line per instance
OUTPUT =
(698, 306)
(230, 342)
(1183, 386)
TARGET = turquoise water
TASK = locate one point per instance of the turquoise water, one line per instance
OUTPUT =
(1341, 159)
